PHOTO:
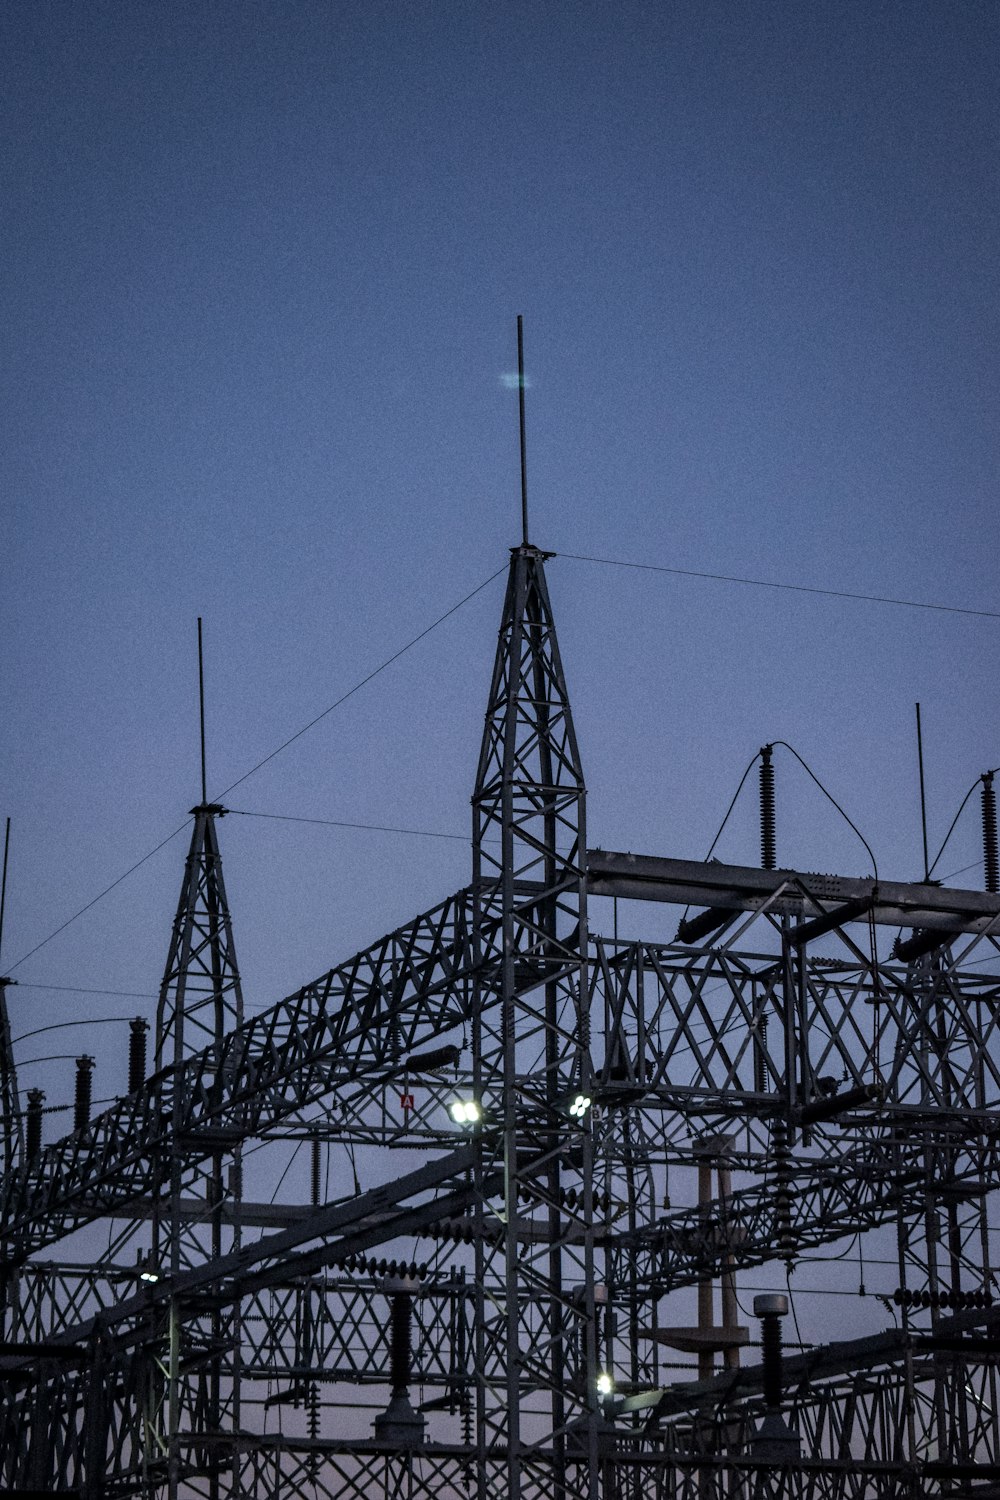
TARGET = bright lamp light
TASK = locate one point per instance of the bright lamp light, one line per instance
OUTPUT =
(465, 1112)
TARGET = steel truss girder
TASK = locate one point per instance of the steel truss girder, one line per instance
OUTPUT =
(330, 1470)
(287, 1052)
(714, 1031)
(411, 986)
(509, 955)
(925, 1404)
(814, 1203)
(332, 1233)
(688, 1032)
(860, 1191)
(835, 1226)
(66, 1442)
(125, 1345)
(327, 1326)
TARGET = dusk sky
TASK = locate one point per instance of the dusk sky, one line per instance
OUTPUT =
(263, 264)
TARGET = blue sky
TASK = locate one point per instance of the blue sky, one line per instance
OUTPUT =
(263, 264)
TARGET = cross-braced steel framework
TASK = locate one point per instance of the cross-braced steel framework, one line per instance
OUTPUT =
(198, 1216)
(500, 1310)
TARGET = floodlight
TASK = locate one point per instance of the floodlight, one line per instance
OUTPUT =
(605, 1384)
(576, 1104)
(465, 1112)
(149, 1275)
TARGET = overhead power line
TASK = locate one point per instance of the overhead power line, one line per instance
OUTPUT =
(612, 562)
(422, 833)
(76, 989)
(100, 896)
(363, 681)
(954, 822)
(267, 758)
(65, 1025)
(796, 588)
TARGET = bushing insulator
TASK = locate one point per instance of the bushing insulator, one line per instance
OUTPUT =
(991, 856)
(768, 838)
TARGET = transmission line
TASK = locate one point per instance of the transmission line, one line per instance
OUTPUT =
(765, 583)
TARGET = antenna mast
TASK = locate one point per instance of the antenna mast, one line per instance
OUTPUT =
(923, 798)
(520, 402)
(201, 711)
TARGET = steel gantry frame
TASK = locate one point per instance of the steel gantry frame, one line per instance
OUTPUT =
(504, 1294)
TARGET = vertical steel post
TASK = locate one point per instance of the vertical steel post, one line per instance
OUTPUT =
(706, 1310)
(529, 847)
(200, 1001)
(8, 1086)
(730, 1303)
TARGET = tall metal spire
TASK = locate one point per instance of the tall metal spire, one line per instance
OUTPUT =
(200, 995)
(531, 1054)
(520, 407)
(200, 1000)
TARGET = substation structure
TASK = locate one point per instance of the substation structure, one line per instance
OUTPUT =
(574, 1149)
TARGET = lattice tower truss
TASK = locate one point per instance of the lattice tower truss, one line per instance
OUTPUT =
(501, 1313)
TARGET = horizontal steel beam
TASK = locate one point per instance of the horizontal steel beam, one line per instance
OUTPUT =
(192, 1211)
(410, 987)
(855, 1189)
(342, 1228)
(795, 893)
(826, 1362)
(359, 1020)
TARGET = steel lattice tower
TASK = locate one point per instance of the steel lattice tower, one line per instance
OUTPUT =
(198, 1217)
(530, 1053)
(649, 1121)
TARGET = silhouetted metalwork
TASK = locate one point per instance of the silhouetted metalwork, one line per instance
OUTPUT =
(991, 856)
(9, 1098)
(83, 1091)
(137, 1032)
(528, 1154)
(768, 834)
